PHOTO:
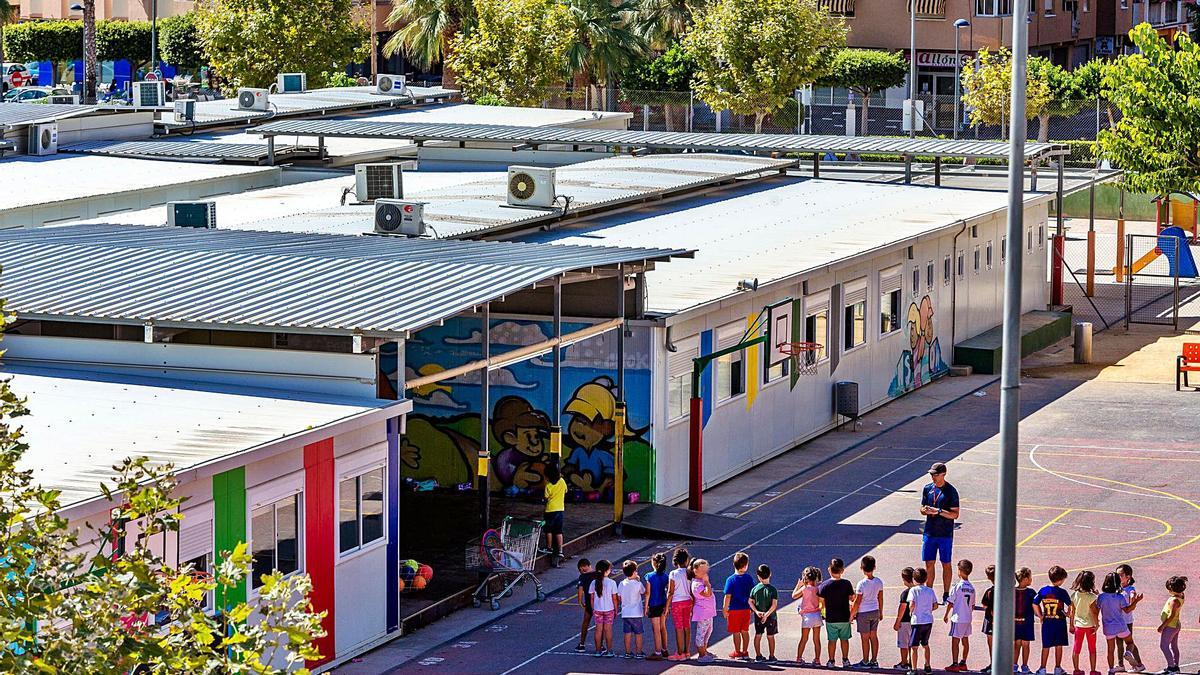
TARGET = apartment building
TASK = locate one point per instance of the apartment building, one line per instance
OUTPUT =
(131, 10)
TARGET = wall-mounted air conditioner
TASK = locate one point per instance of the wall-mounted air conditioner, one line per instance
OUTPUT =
(531, 186)
(395, 216)
(149, 94)
(43, 138)
(391, 85)
(378, 181)
(185, 110)
(291, 83)
(253, 99)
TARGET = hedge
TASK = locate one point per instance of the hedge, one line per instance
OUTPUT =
(178, 42)
(63, 40)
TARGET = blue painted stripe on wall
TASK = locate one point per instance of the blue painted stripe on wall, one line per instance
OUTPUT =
(706, 394)
(393, 546)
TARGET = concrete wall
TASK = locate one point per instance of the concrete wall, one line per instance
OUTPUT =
(772, 417)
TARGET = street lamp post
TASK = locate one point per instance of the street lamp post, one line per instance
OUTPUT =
(153, 35)
(958, 26)
(912, 68)
(82, 56)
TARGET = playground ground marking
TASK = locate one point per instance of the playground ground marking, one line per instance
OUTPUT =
(789, 491)
(1045, 526)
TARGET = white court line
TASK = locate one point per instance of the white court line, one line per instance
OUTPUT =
(748, 546)
(1033, 458)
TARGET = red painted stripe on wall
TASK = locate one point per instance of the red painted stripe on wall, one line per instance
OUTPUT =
(320, 521)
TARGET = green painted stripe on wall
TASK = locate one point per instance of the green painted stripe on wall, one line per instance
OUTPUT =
(229, 525)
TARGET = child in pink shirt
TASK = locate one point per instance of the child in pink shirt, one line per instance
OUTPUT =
(810, 613)
(705, 608)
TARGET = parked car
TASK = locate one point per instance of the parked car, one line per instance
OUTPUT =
(33, 94)
(17, 75)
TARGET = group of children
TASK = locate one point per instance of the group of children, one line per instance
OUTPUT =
(685, 596)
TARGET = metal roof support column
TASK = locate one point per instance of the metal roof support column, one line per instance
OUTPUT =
(816, 165)
(908, 169)
(320, 147)
(619, 416)
(270, 151)
(556, 386)
(937, 171)
(484, 455)
(1056, 272)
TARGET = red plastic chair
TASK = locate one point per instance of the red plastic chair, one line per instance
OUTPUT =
(1188, 361)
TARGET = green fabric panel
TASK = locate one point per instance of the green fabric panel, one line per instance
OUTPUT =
(229, 524)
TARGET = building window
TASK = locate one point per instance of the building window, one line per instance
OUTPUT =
(929, 275)
(360, 510)
(946, 270)
(731, 372)
(679, 377)
(976, 258)
(988, 252)
(856, 324)
(916, 280)
(202, 566)
(1003, 250)
(816, 330)
(993, 7)
(1041, 238)
(275, 538)
(1029, 239)
(889, 312)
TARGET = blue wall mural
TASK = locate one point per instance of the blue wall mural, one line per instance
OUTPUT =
(922, 361)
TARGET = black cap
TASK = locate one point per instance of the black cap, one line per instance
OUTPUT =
(937, 468)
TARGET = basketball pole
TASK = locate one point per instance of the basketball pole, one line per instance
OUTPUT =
(1010, 378)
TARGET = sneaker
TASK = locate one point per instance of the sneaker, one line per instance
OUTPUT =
(830, 664)
(900, 666)
(654, 656)
(760, 659)
(639, 656)
(772, 659)
(1094, 672)
(1118, 669)
(1059, 671)
(677, 657)
(1139, 668)
(627, 655)
(608, 654)
(862, 664)
(986, 670)
(928, 670)
(707, 658)
(1040, 671)
(800, 663)
(1025, 670)
(735, 654)
(580, 648)
(598, 653)
(1077, 672)
(874, 664)
(1165, 671)
(911, 672)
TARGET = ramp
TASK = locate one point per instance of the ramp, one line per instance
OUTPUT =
(680, 523)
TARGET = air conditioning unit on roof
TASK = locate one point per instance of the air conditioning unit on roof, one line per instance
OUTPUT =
(201, 214)
(378, 181)
(531, 186)
(253, 99)
(43, 138)
(390, 85)
(291, 83)
(149, 94)
(395, 216)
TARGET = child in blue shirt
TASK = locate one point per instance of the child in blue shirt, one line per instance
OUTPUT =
(1053, 605)
(656, 583)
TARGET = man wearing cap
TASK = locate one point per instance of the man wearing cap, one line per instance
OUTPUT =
(939, 505)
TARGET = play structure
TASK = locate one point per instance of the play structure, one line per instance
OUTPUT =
(1173, 239)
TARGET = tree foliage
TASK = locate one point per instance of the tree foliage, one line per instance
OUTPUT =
(987, 88)
(606, 38)
(752, 55)
(179, 42)
(249, 42)
(671, 71)
(864, 72)
(425, 28)
(43, 41)
(1157, 139)
(70, 612)
(516, 50)
(60, 40)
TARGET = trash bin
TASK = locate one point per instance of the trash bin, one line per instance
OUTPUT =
(846, 399)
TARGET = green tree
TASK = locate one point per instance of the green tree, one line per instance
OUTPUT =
(8, 14)
(67, 612)
(664, 22)
(664, 80)
(425, 30)
(606, 41)
(123, 40)
(179, 42)
(1066, 97)
(865, 72)
(752, 55)
(1157, 140)
(251, 41)
(987, 88)
(516, 50)
(90, 73)
(43, 41)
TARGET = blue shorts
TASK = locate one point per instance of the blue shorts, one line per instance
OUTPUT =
(1054, 633)
(1024, 630)
(934, 548)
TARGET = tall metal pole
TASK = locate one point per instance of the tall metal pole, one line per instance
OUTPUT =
(485, 453)
(912, 68)
(153, 35)
(619, 422)
(556, 387)
(957, 78)
(1010, 378)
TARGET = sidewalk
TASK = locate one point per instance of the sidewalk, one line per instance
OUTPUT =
(559, 584)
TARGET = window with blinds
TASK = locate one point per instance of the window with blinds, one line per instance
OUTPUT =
(890, 298)
(679, 377)
(816, 325)
(839, 7)
(855, 314)
(730, 368)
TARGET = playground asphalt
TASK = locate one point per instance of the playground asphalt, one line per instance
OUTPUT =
(1108, 475)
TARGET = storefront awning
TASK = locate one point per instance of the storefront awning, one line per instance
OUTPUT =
(931, 8)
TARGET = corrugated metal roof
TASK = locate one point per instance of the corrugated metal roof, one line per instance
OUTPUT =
(773, 230)
(18, 114)
(667, 140)
(273, 280)
(74, 442)
(314, 101)
(179, 149)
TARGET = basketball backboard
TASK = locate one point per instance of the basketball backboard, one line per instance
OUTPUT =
(779, 332)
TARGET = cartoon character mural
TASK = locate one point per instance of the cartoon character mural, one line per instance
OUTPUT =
(443, 430)
(922, 361)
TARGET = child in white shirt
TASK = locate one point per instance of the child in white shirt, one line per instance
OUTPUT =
(633, 593)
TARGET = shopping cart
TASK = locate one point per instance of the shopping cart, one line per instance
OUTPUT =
(507, 555)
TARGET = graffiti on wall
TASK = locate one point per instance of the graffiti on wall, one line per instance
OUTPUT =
(922, 361)
(443, 435)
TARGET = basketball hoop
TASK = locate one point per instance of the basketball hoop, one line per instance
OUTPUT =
(804, 356)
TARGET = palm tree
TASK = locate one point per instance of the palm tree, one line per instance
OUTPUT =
(426, 28)
(89, 51)
(606, 41)
(665, 21)
(8, 14)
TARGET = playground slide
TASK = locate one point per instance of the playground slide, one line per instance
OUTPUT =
(1183, 264)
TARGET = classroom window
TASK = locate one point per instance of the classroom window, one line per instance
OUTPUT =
(929, 275)
(816, 330)
(946, 270)
(275, 538)
(1003, 250)
(679, 377)
(781, 369)
(731, 376)
(360, 510)
(889, 311)
(1029, 239)
(679, 393)
(976, 258)
(916, 280)
(1041, 239)
(962, 264)
(856, 325)
(202, 566)
(989, 254)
